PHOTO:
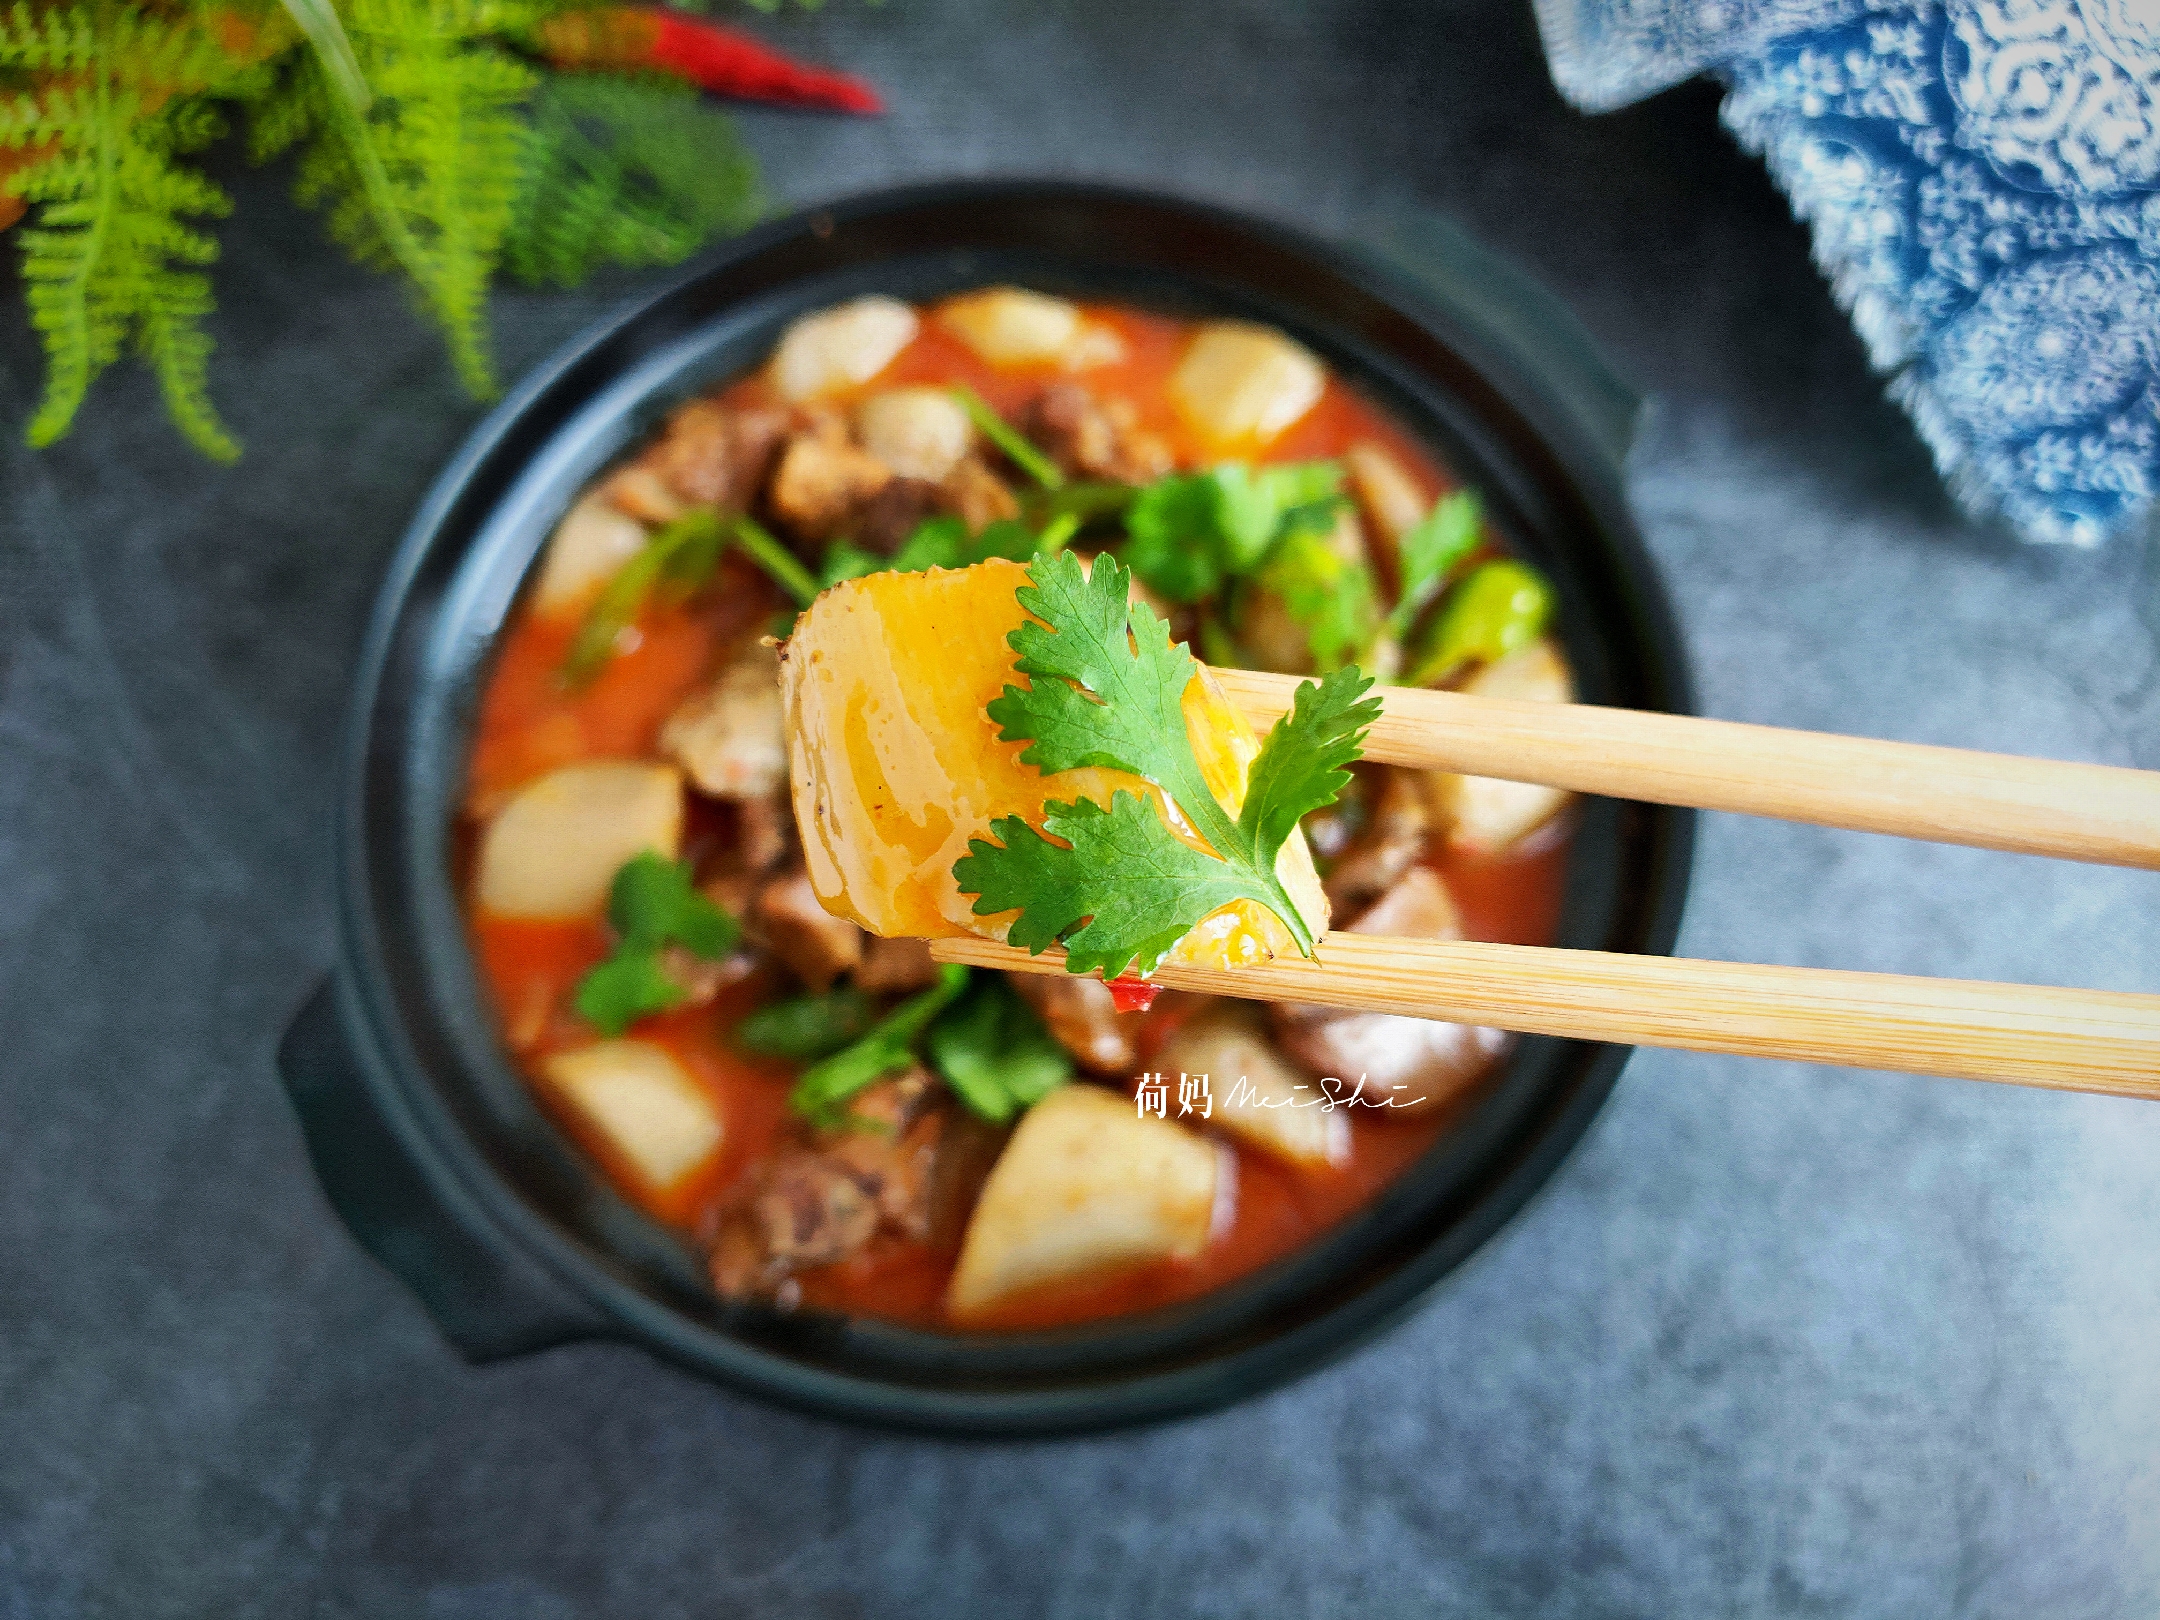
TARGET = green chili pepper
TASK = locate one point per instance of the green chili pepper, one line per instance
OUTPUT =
(1499, 607)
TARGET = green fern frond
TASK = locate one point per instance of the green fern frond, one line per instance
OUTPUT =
(625, 172)
(438, 162)
(171, 338)
(47, 39)
(127, 45)
(426, 177)
(45, 116)
(148, 51)
(112, 260)
(280, 119)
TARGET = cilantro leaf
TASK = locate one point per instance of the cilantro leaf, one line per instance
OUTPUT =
(1432, 550)
(628, 986)
(1107, 689)
(1098, 695)
(889, 1044)
(1193, 532)
(1304, 760)
(652, 901)
(1331, 597)
(1174, 545)
(994, 1052)
(1121, 887)
(651, 904)
(805, 1028)
(1258, 507)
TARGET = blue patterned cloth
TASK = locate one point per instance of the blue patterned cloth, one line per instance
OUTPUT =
(1983, 182)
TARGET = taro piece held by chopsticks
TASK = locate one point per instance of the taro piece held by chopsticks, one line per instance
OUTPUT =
(914, 745)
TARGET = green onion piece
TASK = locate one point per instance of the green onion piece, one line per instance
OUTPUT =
(1087, 502)
(697, 540)
(679, 557)
(1007, 438)
(687, 539)
(781, 565)
(1057, 534)
(938, 542)
(889, 1045)
(803, 1029)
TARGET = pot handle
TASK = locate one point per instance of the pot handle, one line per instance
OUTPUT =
(488, 1300)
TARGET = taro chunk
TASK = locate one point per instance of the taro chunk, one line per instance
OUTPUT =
(1009, 326)
(1384, 1058)
(1389, 1061)
(590, 544)
(917, 432)
(1533, 674)
(842, 347)
(642, 1107)
(1486, 815)
(1258, 1095)
(1086, 1186)
(1239, 385)
(555, 848)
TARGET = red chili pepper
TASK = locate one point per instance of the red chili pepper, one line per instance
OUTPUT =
(1129, 994)
(709, 56)
(732, 64)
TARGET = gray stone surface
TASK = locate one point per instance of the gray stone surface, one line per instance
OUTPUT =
(1775, 1341)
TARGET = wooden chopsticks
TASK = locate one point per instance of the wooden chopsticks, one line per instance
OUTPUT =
(2101, 813)
(2069, 1040)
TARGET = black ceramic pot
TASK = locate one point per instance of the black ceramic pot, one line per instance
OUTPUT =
(430, 1146)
